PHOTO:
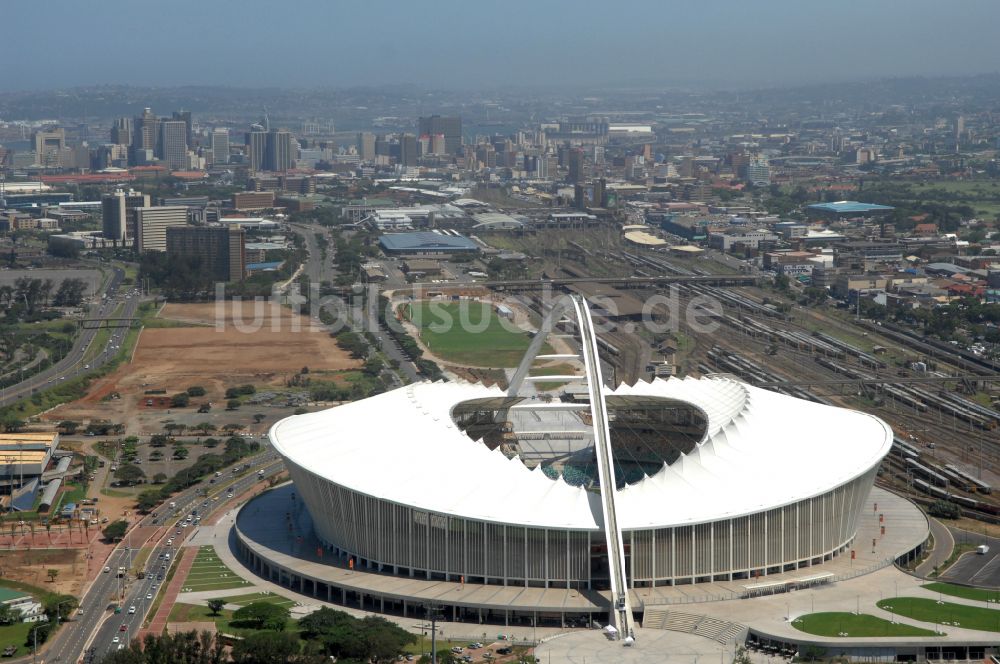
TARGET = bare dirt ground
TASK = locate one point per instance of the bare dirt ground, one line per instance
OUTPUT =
(227, 345)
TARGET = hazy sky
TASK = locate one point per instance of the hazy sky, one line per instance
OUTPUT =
(473, 43)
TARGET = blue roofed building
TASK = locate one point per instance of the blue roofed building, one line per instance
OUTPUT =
(427, 243)
(840, 209)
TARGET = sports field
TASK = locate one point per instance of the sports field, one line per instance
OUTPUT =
(469, 333)
(850, 624)
(210, 573)
(944, 613)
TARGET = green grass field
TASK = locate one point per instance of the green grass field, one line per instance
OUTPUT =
(850, 624)
(16, 634)
(469, 333)
(263, 596)
(209, 573)
(978, 594)
(944, 613)
(200, 613)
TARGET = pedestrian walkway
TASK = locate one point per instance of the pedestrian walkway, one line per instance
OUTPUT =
(944, 544)
(159, 621)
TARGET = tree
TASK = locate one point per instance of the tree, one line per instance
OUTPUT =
(157, 440)
(69, 427)
(232, 404)
(215, 606)
(262, 615)
(180, 400)
(52, 574)
(196, 391)
(204, 427)
(258, 418)
(9, 615)
(115, 530)
(159, 478)
(180, 453)
(130, 474)
(148, 499)
(61, 605)
(266, 648)
(944, 509)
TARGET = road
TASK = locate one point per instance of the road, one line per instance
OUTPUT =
(74, 363)
(98, 601)
(973, 568)
(319, 270)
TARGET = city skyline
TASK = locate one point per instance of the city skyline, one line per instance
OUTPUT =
(724, 44)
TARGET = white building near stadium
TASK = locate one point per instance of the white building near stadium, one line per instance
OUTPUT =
(668, 482)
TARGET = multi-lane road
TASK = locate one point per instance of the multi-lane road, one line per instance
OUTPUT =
(319, 270)
(96, 629)
(81, 355)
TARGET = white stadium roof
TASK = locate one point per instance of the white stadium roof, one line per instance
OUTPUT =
(762, 450)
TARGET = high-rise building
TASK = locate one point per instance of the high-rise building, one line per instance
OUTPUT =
(146, 131)
(408, 155)
(49, 147)
(222, 250)
(185, 116)
(279, 152)
(759, 173)
(438, 144)
(173, 143)
(256, 141)
(151, 225)
(121, 131)
(220, 146)
(118, 214)
(575, 165)
(366, 146)
(451, 127)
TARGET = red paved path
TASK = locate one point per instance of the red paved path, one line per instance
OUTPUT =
(159, 621)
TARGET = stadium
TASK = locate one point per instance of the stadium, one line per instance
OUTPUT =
(662, 483)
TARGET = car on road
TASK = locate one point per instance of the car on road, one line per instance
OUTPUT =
(116, 639)
(123, 628)
(107, 569)
(131, 609)
(149, 595)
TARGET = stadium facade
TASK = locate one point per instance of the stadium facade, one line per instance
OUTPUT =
(777, 484)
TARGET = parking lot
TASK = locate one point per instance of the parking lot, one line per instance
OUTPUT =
(973, 568)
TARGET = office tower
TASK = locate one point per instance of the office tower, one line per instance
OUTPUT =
(118, 213)
(49, 147)
(438, 144)
(598, 200)
(382, 148)
(222, 250)
(151, 224)
(121, 131)
(575, 165)
(408, 155)
(173, 143)
(759, 173)
(220, 146)
(146, 131)
(366, 146)
(256, 141)
(185, 116)
(279, 152)
(451, 127)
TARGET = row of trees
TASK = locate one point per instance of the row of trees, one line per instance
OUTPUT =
(236, 448)
(29, 294)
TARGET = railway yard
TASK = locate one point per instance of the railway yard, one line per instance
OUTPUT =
(947, 446)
